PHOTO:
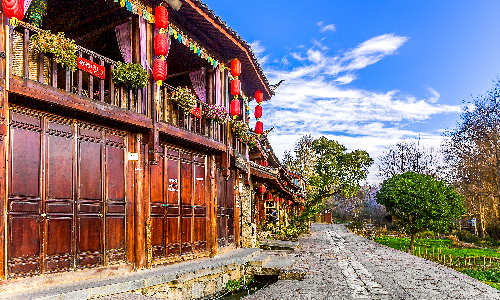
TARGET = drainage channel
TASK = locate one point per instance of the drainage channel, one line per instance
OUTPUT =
(259, 282)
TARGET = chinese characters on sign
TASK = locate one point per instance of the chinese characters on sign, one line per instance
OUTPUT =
(196, 112)
(92, 68)
(172, 185)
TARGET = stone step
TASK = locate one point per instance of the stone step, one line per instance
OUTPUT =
(259, 260)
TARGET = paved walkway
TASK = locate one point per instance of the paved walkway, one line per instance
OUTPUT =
(342, 265)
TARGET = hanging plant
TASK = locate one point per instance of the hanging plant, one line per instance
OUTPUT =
(217, 113)
(63, 49)
(184, 98)
(241, 132)
(131, 74)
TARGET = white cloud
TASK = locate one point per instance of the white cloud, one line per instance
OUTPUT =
(314, 100)
(324, 28)
(435, 95)
(258, 49)
(319, 45)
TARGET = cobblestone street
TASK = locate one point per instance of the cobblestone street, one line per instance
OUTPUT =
(342, 265)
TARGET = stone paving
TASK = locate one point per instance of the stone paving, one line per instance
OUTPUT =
(342, 265)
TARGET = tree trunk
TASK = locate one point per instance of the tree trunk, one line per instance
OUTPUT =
(412, 241)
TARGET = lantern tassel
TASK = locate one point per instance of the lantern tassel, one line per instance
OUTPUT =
(159, 82)
(14, 21)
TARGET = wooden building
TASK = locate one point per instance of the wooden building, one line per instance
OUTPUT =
(98, 177)
(284, 191)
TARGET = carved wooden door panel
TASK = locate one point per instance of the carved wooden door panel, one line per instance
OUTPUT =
(173, 209)
(186, 203)
(230, 208)
(90, 231)
(200, 206)
(221, 209)
(59, 202)
(158, 202)
(25, 207)
(115, 213)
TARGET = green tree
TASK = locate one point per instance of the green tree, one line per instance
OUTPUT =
(338, 172)
(302, 160)
(420, 202)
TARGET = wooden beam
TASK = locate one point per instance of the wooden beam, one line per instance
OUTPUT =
(139, 211)
(213, 205)
(190, 137)
(46, 93)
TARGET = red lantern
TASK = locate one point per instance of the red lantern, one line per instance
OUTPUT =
(259, 96)
(235, 87)
(301, 207)
(235, 108)
(161, 44)
(281, 200)
(290, 202)
(11, 8)
(20, 11)
(269, 196)
(259, 128)
(258, 112)
(160, 70)
(262, 189)
(161, 17)
(265, 163)
(236, 68)
(276, 199)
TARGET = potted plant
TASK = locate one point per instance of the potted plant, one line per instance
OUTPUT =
(241, 132)
(217, 113)
(184, 98)
(130, 74)
(63, 49)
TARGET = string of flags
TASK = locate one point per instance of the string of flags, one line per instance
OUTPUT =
(138, 9)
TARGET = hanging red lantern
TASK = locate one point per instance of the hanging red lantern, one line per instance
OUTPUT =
(290, 202)
(235, 108)
(301, 207)
(262, 189)
(235, 87)
(281, 200)
(236, 68)
(259, 96)
(265, 163)
(20, 11)
(11, 8)
(160, 70)
(259, 128)
(276, 199)
(161, 17)
(258, 112)
(269, 196)
(161, 44)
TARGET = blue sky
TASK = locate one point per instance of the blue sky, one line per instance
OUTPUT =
(368, 73)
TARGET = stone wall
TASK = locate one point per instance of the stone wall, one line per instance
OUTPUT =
(189, 286)
(248, 237)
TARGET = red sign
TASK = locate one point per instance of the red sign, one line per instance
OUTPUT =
(196, 112)
(92, 68)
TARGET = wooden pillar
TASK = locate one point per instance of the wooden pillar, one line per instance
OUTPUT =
(136, 40)
(4, 129)
(213, 206)
(139, 211)
(132, 140)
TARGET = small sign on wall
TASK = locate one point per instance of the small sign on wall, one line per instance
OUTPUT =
(133, 156)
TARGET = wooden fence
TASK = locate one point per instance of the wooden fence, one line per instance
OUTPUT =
(454, 261)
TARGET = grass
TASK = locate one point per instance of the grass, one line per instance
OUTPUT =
(445, 246)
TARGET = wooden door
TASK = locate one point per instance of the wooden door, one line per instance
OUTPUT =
(225, 209)
(178, 204)
(72, 216)
(25, 207)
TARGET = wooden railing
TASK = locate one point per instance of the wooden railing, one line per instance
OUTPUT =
(44, 69)
(169, 112)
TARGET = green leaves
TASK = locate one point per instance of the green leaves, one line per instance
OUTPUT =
(132, 74)
(420, 202)
(63, 49)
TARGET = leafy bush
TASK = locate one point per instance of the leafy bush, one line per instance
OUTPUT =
(63, 49)
(184, 98)
(483, 275)
(132, 74)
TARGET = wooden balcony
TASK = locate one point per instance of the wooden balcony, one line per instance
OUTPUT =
(43, 69)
